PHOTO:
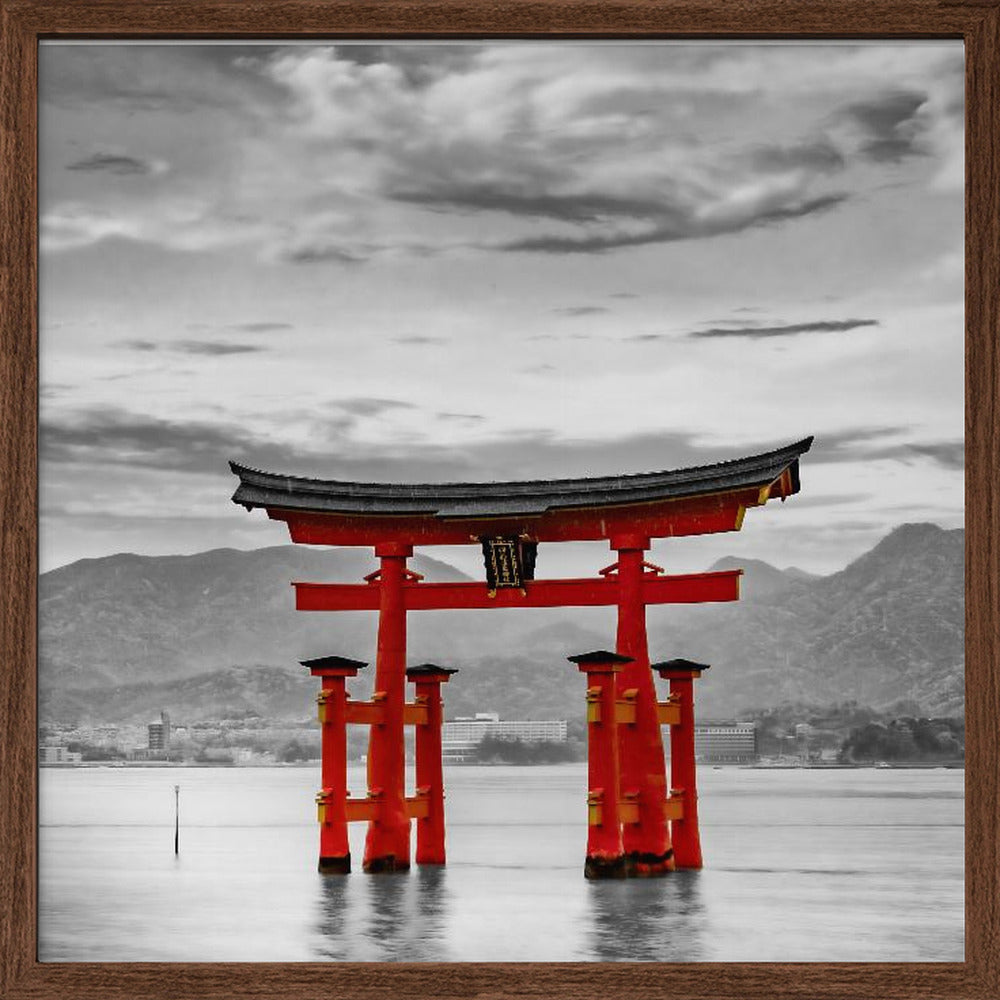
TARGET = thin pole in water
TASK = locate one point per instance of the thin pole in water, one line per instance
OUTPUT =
(177, 819)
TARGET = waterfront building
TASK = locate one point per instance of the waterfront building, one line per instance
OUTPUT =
(725, 742)
(58, 755)
(461, 735)
(159, 733)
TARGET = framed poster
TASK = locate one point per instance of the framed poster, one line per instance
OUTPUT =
(403, 247)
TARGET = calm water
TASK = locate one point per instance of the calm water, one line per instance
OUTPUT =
(801, 865)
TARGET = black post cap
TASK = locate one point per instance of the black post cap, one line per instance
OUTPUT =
(600, 656)
(424, 669)
(679, 664)
(336, 662)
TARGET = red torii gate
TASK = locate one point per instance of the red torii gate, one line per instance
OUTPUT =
(509, 520)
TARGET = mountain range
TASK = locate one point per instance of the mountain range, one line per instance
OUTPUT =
(215, 634)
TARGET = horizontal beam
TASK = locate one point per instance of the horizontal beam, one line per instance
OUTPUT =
(668, 713)
(656, 519)
(372, 713)
(359, 810)
(628, 808)
(689, 588)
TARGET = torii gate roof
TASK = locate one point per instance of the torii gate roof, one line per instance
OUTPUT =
(777, 469)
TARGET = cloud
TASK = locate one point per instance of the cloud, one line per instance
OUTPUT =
(868, 444)
(671, 226)
(206, 348)
(212, 348)
(475, 417)
(369, 406)
(337, 154)
(819, 155)
(55, 390)
(890, 124)
(851, 444)
(117, 518)
(489, 197)
(177, 221)
(118, 164)
(831, 499)
(263, 327)
(318, 253)
(109, 436)
(751, 332)
(581, 310)
(154, 78)
(946, 454)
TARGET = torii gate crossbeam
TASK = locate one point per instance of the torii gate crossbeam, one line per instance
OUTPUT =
(691, 588)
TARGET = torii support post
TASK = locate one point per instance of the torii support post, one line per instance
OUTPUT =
(428, 678)
(331, 802)
(683, 772)
(605, 854)
(387, 844)
(648, 850)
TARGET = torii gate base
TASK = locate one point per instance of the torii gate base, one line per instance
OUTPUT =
(335, 807)
(612, 807)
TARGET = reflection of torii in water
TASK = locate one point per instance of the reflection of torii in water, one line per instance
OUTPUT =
(637, 826)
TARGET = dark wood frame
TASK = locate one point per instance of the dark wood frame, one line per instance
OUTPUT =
(23, 22)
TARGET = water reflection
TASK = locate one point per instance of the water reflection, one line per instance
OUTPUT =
(433, 903)
(334, 941)
(647, 920)
(395, 917)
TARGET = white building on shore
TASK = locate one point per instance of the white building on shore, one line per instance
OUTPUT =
(460, 736)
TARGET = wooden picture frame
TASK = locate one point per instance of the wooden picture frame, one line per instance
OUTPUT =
(24, 22)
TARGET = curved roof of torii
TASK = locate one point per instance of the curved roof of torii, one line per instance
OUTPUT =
(528, 497)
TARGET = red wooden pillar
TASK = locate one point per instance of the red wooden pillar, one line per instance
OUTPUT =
(334, 848)
(683, 771)
(387, 845)
(647, 844)
(605, 856)
(428, 678)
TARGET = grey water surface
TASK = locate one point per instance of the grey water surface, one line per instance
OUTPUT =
(801, 865)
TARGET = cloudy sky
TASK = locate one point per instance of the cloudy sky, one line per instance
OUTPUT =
(486, 262)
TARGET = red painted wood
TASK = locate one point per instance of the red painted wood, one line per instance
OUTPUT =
(691, 588)
(365, 713)
(683, 775)
(367, 810)
(604, 838)
(430, 773)
(387, 845)
(333, 843)
(643, 769)
(660, 519)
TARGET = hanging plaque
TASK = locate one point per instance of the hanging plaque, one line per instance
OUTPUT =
(503, 563)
